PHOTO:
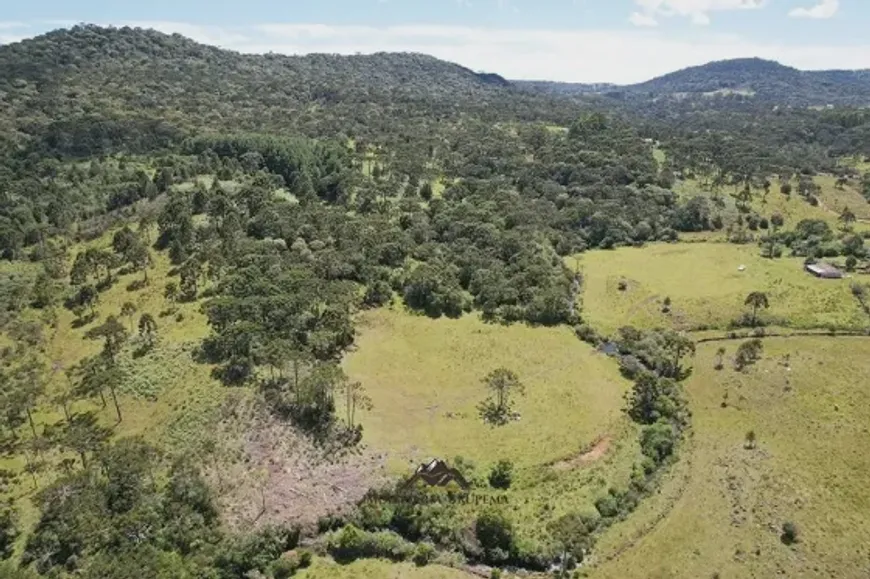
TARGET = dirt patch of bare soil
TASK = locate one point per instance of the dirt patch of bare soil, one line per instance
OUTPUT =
(595, 451)
(265, 472)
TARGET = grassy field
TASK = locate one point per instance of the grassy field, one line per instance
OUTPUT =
(424, 378)
(809, 466)
(378, 569)
(706, 288)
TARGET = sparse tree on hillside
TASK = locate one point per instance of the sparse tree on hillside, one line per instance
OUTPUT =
(355, 397)
(147, 328)
(24, 387)
(847, 218)
(113, 333)
(139, 257)
(748, 353)
(171, 291)
(756, 300)
(720, 358)
(89, 297)
(83, 434)
(128, 310)
(776, 221)
(147, 226)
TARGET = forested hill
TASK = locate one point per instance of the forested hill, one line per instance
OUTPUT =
(114, 77)
(766, 80)
(747, 78)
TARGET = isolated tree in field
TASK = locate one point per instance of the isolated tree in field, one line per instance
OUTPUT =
(503, 384)
(147, 328)
(756, 301)
(748, 353)
(789, 534)
(751, 439)
(720, 358)
(847, 218)
(171, 292)
(128, 310)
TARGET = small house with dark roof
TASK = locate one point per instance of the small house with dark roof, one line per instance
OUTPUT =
(824, 270)
(437, 473)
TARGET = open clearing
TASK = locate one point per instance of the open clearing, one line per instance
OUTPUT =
(379, 569)
(807, 402)
(424, 378)
(707, 289)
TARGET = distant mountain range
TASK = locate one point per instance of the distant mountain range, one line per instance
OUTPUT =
(85, 89)
(744, 78)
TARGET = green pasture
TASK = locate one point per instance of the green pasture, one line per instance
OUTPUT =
(721, 513)
(707, 289)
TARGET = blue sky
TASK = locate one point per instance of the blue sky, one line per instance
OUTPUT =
(568, 40)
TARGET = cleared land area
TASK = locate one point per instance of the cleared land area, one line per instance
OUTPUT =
(707, 288)
(425, 380)
(571, 443)
(808, 405)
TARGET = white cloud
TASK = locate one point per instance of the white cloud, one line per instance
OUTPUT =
(12, 32)
(824, 9)
(642, 20)
(697, 10)
(621, 56)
